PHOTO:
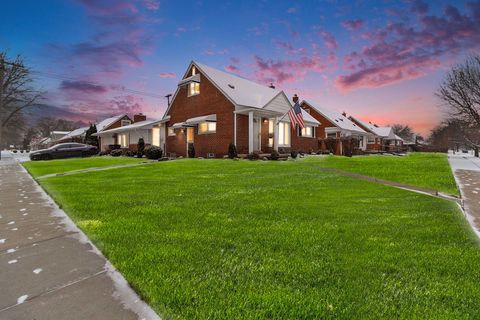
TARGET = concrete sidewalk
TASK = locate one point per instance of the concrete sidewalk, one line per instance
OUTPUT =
(466, 170)
(48, 268)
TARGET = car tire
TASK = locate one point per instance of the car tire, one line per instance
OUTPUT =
(47, 157)
(85, 154)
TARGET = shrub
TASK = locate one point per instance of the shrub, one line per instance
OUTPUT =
(153, 153)
(15, 151)
(191, 151)
(275, 155)
(140, 147)
(128, 153)
(103, 153)
(232, 151)
(255, 155)
(116, 153)
(294, 154)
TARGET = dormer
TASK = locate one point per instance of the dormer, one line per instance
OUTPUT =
(192, 81)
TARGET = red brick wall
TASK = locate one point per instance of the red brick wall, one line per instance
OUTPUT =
(324, 122)
(209, 101)
(242, 133)
(304, 144)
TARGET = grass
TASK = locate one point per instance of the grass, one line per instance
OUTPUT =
(40, 168)
(429, 170)
(221, 239)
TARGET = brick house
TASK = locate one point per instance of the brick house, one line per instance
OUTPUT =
(335, 125)
(211, 109)
(379, 138)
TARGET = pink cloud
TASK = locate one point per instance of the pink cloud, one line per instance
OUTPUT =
(329, 40)
(353, 24)
(281, 71)
(232, 68)
(167, 75)
(401, 51)
(152, 4)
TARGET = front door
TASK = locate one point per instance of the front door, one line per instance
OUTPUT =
(257, 131)
(190, 134)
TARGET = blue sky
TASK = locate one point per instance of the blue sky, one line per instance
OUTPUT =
(379, 60)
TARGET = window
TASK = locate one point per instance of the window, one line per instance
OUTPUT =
(156, 136)
(171, 131)
(189, 134)
(207, 127)
(270, 132)
(123, 140)
(371, 140)
(331, 135)
(194, 70)
(308, 131)
(125, 123)
(193, 89)
(284, 134)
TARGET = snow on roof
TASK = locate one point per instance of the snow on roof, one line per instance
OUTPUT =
(74, 133)
(385, 132)
(102, 125)
(337, 118)
(241, 91)
(146, 124)
(308, 118)
(60, 132)
(398, 138)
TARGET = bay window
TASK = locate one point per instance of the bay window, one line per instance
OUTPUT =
(123, 140)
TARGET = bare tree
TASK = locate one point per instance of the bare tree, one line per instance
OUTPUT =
(46, 125)
(403, 131)
(460, 94)
(16, 92)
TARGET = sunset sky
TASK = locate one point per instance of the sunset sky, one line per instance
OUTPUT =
(379, 60)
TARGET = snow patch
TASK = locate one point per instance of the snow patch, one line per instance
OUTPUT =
(11, 250)
(22, 299)
(12, 261)
(2, 240)
(38, 270)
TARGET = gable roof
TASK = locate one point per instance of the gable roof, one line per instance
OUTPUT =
(384, 132)
(338, 119)
(239, 90)
(146, 124)
(104, 124)
(74, 133)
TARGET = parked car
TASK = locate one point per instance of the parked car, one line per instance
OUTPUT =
(64, 150)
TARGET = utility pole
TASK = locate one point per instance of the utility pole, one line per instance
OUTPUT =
(168, 99)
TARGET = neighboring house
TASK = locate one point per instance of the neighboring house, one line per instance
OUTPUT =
(380, 138)
(335, 125)
(56, 135)
(211, 109)
(40, 143)
(77, 135)
(127, 136)
(114, 122)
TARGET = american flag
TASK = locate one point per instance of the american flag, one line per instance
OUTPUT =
(296, 117)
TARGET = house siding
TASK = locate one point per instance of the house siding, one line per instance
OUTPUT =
(209, 101)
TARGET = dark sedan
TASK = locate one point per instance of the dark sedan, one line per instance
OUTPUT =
(64, 150)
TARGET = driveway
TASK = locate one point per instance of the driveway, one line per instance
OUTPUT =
(466, 169)
(48, 267)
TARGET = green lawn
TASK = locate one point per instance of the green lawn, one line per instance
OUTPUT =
(40, 168)
(222, 239)
(429, 170)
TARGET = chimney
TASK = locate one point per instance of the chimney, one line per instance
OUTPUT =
(271, 85)
(344, 114)
(295, 98)
(139, 117)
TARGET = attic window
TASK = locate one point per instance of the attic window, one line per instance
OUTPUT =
(193, 89)
(194, 70)
(231, 86)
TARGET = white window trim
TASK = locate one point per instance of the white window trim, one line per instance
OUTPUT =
(189, 94)
(300, 130)
(208, 129)
(125, 123)
(172, 133)
(289, 130)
